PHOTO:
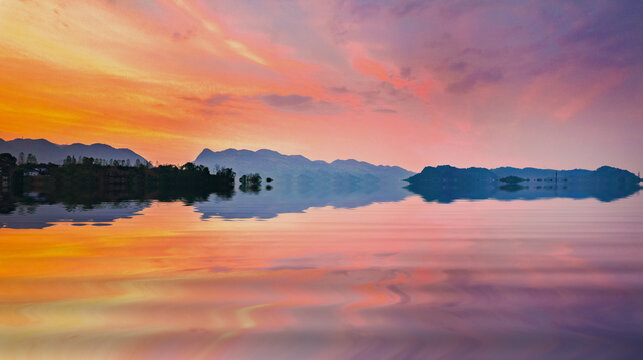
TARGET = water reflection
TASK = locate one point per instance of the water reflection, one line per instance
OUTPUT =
(39, 211)
(295, 199)
(447, 194)
(543, 279)
(38, 216)
(36, 211)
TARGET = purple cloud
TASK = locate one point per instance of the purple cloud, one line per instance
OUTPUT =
(473, 78)
(275, 100)
(213, 100)
(300, 103)
(385, 111)
(216, 100)
(610, 37)
(405, 72)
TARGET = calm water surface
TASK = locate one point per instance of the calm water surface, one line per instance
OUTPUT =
(407, 279)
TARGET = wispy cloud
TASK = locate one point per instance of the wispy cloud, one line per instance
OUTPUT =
(213, 100)
(287, 100)
(300, 103)
(476, 77)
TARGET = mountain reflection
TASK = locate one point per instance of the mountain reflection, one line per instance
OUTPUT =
(447, 194)
(39, 216)
(40, 211)
(296, 199)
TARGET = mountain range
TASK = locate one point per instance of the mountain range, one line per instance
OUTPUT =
(298, 169)
(288, 169)
(48, 152)
(449, 175)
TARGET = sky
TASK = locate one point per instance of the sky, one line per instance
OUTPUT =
(554, 84)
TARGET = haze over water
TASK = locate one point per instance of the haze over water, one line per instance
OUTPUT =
(404, 279)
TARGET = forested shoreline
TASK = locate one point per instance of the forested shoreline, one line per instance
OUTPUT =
(94, 180)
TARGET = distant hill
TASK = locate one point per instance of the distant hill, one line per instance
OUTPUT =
(48, 152)
(446, 174)
(534, 173)
(446, 183)
(604, 174)
(298, 169)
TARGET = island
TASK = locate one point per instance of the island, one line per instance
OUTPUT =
(446, 183)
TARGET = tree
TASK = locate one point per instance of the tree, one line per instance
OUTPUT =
(31, 159)
(250, 183)
(225, 175)
(189, 167)
(87, 161)
(7, 169)
(7, 159)
(250, 179)
(512, 179)
(21, 158)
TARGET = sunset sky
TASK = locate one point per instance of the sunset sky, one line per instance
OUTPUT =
(412, 83)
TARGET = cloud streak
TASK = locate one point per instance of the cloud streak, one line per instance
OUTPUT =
(478, 77)
(300, 103)
(385, 111)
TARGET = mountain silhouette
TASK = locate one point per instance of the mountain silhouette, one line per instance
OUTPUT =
(446, 183)
(446, 174)
(48, 152)
(297, 169)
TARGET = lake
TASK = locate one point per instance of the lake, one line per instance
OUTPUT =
(352, 276)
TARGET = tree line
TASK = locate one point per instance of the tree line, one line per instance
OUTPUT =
(88, 179)
(88, 174)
